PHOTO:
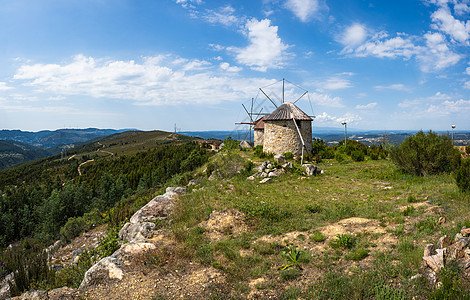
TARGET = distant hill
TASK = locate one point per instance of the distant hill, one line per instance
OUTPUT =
(46, 139)
(18, 146)
(13, 153)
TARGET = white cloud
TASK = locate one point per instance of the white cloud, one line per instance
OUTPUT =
(226, 66)
(367, 106)
(217, 47)
(447, 107)
(353, 36)
(326, 100)
(305, 10)
(381, 47)
(437, 55)
(189, 3)
(445, 22)
(467, 71)
(325, 118)
(466, 85)
(160, 80)
(336, 83)
(423, 101)
(266, 49)
(4, 86)
(224, 15)
(396, 86)
(462, 8)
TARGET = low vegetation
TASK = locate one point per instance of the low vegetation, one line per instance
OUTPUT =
(356, 232)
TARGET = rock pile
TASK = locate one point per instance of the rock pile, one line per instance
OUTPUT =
(270, 169)
(436, 257)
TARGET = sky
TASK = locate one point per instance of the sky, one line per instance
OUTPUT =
(191, 64)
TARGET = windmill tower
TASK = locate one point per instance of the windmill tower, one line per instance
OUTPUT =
(286, 128)
(269, 99)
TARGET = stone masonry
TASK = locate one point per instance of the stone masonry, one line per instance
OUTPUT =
(281, 136)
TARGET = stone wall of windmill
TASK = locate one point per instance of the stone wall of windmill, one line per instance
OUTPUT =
(280, 132)
(258, 132)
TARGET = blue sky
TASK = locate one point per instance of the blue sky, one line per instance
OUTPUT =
(379, 65)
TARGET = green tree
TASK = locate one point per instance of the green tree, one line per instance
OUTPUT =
(423, 154)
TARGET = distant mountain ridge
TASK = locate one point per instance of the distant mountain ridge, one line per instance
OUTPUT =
(17, 146)
(46, 138)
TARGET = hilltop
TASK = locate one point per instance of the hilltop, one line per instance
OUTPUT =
(244, 225)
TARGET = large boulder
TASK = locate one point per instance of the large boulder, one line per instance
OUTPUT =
(106, 269)
(137, 232)
(158, 208)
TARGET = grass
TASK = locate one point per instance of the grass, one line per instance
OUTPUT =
(356, 265)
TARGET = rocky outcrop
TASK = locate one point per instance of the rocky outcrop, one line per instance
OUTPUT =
(447, 250)
(159, 207)
(107, 268)
(5, 286)
(35, 295)
(137, 232)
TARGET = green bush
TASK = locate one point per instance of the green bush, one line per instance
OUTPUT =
(259, 151)
(73, 228)
(462, 176)
(467, 149)
(357, 155)
(423, 154)
(374, 156)
(288, 155)
(339, 157)
(230, 144)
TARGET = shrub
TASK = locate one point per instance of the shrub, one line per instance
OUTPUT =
(288, 155)
(227, 165)
(374, 156)
(73, 228)
(357, 155)
(423, 154)
(259, 151)
(339, 157)
(230, 144)
(467, 149)
(462, 176)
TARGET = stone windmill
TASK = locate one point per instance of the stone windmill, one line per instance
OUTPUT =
(286, 129)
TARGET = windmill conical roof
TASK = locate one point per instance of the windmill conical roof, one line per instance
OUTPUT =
(286, 111)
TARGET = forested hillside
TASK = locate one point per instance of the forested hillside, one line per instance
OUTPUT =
(47, 138)
(38, 198)
(13, 152)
